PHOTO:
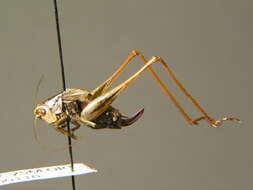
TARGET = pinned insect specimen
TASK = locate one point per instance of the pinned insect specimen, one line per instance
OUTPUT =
(93, 108)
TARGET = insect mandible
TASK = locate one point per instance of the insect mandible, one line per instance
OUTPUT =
(93, 108)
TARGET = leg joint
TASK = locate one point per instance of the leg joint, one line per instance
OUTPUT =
(155, 58)
(135, 52)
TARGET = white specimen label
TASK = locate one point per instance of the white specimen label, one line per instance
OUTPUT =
(44, 173)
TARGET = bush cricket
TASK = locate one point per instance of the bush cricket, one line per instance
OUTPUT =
(93, 108)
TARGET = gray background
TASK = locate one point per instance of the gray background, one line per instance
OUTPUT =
(207, 43)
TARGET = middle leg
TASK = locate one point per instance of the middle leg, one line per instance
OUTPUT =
(64, 131)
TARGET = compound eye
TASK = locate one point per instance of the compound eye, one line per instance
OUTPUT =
(40, 112)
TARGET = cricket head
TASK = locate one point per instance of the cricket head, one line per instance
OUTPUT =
(49, 109)
(44, 113)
